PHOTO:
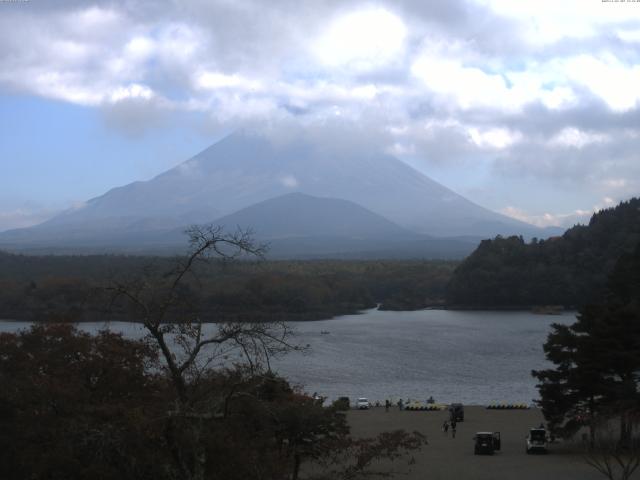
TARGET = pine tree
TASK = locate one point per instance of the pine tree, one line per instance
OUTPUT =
(597, 359)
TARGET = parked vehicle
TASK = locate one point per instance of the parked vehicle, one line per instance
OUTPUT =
(362, 404)
(537, 441)
(486, 443)
(456, 412)
(342, 403)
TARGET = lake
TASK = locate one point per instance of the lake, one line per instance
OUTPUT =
(473, 357)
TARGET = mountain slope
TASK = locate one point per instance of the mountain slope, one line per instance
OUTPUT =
(300, 215)
(243, 169)
(294, 225)
(297, 225)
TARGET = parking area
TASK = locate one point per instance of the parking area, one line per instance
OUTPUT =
(449, 458)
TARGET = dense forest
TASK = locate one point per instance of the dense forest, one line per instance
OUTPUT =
(502, 273)
(570, 270)
(76, 287)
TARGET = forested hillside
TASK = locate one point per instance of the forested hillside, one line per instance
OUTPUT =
(570, 270)
(73, 287)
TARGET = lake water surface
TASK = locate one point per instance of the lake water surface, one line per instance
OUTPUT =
(456, 356)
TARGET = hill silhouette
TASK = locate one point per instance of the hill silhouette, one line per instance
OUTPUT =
(570, 270)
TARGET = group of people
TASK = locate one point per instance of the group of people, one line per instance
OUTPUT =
(449, 424)
(387, 404)
(401, 403)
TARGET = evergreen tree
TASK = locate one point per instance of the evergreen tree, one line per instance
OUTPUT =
(597, 359)
(570, 270)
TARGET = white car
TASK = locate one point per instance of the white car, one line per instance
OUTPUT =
(362, 404)
(537, 440)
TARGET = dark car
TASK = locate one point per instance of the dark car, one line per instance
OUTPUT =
(342, 403)
(537, 441)
(456, 412)
(486, 443)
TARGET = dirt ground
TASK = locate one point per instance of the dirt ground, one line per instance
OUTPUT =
(448, 458)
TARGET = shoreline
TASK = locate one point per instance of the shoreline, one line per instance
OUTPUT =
(337, 316)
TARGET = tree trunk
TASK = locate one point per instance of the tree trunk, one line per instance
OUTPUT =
(592, 423)
(296, 466)
(625, 430)
(200, 453)
(174, 448)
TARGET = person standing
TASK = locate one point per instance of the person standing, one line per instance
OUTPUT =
(445, 428)
(386, 405)
(453, 429)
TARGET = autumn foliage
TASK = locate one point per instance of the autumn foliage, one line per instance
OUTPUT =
(80, 406)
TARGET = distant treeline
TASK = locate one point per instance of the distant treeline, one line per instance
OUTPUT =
(570, 270)
(75, 288)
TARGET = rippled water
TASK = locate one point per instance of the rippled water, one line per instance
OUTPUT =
(465, 356)
(471, 357)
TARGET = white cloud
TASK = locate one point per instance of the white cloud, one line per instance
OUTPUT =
(496, 138)
(400, 149)
(548, 219)
(139, 48)
(114, 50)
(632, 36)
(133, 91)
(558, 219)
(362, 39)
(544, 22)
(289, 181)
(608, 78)
(215, 80)
(559, 98)
(467, 86)
(94, 21)
(181, 46)
(189, 169)
(64, 86)
(615, 183)
(576, 138)
(534, 88)
(71, 52)
(24, 217)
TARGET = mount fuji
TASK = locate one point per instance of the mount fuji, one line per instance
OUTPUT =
(243, 170)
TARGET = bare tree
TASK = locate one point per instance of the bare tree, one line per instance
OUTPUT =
(195, 353)
(165, 306)
(614, 458)
(375, 457)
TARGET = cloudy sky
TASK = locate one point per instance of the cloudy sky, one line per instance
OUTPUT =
(531, 108)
